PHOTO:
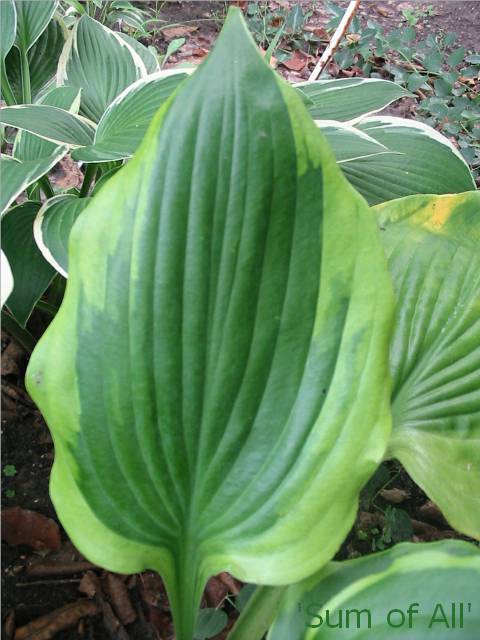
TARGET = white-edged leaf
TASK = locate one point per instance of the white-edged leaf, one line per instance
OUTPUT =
(31, 273)
(52, 228)
(17, 176)
(125, 122)
(7, 279)
(33, 17)
(348, 142)
(425, 162)
(100, 63)
(29, 146)
(50, 123)
(149, 58)
(350, 98)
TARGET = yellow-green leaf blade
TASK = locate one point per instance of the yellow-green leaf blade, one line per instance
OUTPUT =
(433, 248)
(230, 291)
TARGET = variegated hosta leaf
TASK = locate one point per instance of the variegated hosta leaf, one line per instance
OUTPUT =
(31, 147)
(31, 273)
(434, 585)
(149, 58)
(33, 17)
(100, 63)
(348, 143)
(17, 175)
(125, 122)
(424, 161)
(50, 123)
(433, 248)
(222, 348)
(349, 98)
(42, 61)
(52, 228)
(33, 157)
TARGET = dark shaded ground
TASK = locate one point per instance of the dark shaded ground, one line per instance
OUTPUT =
(28, 449)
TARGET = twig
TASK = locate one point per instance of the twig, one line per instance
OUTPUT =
(48, 626)
(53, 568)
(335, 41)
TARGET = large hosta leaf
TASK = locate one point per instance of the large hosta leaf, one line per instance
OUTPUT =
(349, 98)
(424, 161)
(222, 348)
(123, 125)
(100, 63)
(433, 248)
(437, 581)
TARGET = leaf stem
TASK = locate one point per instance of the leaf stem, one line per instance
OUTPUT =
(258, 614)
(46, 187)
(90, 172)
(25, 68)
(56, 291)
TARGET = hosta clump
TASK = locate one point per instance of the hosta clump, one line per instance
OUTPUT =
(222, 348)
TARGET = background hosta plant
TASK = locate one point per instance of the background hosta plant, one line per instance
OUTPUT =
(100, 116)
(211, 284)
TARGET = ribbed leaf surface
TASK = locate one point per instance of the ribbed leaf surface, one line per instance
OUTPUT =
(17, 176)
(125, 122)
(33, 17)
(149, 59)
(100, 63)
(31, 147)
(222, 348)
(440, 578)
(424, 161)
(51, 123)
(349, 98)
(348, 143)
(52, 228)
(433, 247)
(42, 61)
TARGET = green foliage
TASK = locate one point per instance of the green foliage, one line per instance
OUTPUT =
(432, 246)
(9, 470)
(284, 28)
(440, 72)
(239, 413)
(210, 623)
(416, 579)
(209, 411)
